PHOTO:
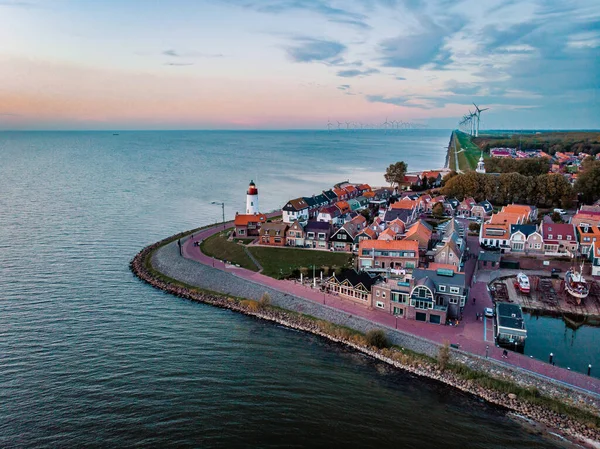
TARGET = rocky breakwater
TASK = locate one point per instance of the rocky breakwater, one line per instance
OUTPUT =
(580, 427)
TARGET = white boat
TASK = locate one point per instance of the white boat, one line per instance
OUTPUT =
(576, 285)
(523, 283)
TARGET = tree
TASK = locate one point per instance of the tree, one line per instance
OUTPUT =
(556, 218)
(395, 173)
(438, 210)
(588, 181)
(377, 338)
(443, 357)
(474, 227)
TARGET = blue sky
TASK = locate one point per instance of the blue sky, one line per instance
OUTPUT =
(297, 63)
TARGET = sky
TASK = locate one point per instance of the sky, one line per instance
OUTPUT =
(297, 64)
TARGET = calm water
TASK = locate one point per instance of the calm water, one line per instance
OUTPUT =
(573, 347)
(89, 356)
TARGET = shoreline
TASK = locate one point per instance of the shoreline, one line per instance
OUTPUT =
(423, 366)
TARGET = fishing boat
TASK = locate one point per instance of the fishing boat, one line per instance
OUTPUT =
(523, 283)
(576, 285)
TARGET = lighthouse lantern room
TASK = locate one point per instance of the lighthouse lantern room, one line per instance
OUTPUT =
(252, 199)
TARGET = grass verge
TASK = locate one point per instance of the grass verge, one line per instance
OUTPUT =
(219, 247)
(284, 262)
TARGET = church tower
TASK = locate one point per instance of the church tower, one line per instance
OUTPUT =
(252, 199)
(480, 166)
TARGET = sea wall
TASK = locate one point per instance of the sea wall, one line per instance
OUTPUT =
(165, 259)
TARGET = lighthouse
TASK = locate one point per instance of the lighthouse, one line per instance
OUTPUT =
(252, 199)
(480, 165)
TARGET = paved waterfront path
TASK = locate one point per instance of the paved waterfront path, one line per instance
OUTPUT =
(472, 335)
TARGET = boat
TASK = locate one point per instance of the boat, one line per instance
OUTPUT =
(576, 285)
(523, 283)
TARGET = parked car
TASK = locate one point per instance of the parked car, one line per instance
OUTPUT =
(489, 312)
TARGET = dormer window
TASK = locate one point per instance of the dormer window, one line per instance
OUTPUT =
(550, 236)
(568, 237)
(559, 237)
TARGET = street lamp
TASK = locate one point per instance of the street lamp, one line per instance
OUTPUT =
(222, 208)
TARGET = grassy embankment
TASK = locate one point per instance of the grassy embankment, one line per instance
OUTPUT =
(402, 355)
(276, 262)
(550, 142)
(468, 152)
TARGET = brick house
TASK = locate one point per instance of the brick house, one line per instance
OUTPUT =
(383, 255)
(330, 214)
(343, 238)
(437, 295)
(559, 239)
(317, 234)
(295, 235)
(483, 209)
(586, 236)
(420, 232)
(248, 225)
(273, 234)
(391, 295)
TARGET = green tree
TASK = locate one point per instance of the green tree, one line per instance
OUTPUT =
(443, 357)
(588, 182)
(438, 210)
(377, 338)
(395, 173)
(556, 218)
(474, 227)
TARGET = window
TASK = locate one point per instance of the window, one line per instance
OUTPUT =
(251, 203)
(321, 236)
(586, 239)
(443, 254)
(342, 236)
(398, 311)
(242, 231)
(568, 237)
(559, 237)
(549, 236)
(451, 255)
(377, 293)
(454, 289)
(537, 246)
(380, 305)
(453, 300)
(442, 288)
(310, 235)
(383, 295)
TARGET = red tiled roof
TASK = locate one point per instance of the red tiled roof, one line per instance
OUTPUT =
(244, 219)
(406, 245)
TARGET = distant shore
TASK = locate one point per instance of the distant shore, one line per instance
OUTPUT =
(424, 366)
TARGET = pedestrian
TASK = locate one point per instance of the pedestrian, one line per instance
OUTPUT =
(505, 354)
(473, 300)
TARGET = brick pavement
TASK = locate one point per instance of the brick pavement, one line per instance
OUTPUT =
(468, 334)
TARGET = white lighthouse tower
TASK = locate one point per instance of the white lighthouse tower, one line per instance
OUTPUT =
(252, 199)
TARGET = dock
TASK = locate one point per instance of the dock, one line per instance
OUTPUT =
(548, 296)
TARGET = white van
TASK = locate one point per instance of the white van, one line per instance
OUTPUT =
(560, 211)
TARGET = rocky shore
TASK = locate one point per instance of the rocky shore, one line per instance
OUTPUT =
(565, 425)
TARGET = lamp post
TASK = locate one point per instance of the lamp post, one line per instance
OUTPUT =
(222, 208)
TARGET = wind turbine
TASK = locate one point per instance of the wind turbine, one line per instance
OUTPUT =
(339, 124)
(347, 125)
(329, 125)
(478, 114)
(385, 124)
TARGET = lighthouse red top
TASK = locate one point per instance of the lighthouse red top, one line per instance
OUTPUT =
(252, 190)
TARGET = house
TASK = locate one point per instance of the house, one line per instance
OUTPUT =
(368, 233)
(405, 203)
(392, 295)
(294, 235)
(273, 234)
(410, 180)
(296, 209)
(343, 206)
(525, 238)
(352, 191)
(529, 212)
(559, 239)
(404, 215)
(433, 202)
(330, 214)
(343, 238)
(496, 231)
(330, 195)
(397, 226)
(594, 255)
(248, 225)
(363, 188)
(449, 252)
(437, 295)
(313, 209)
(383, 255)
(382, 194)
(586, 236)
(354, 204)
(421, 233)
(316, 234)
(451, 206)
(388, 234)
(342, 195)
(586, 217)
(353, 285)
(482, 209)
(443, 266)
(434, 178)
(465, 206)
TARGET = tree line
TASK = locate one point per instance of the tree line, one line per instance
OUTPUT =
(527, 167)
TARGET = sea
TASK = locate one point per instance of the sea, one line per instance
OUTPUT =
(92, 357)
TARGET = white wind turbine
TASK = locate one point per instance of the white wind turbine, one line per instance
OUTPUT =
(478, 115)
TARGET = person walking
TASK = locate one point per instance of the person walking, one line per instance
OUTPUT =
(505, 354)
(179, 244)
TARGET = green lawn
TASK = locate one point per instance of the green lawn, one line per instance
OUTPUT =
(219, 247)
(283, 262)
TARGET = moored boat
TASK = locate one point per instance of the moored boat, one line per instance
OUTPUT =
(576, 285)
(523, 283)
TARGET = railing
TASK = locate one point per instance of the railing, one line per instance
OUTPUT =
(440, 308)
